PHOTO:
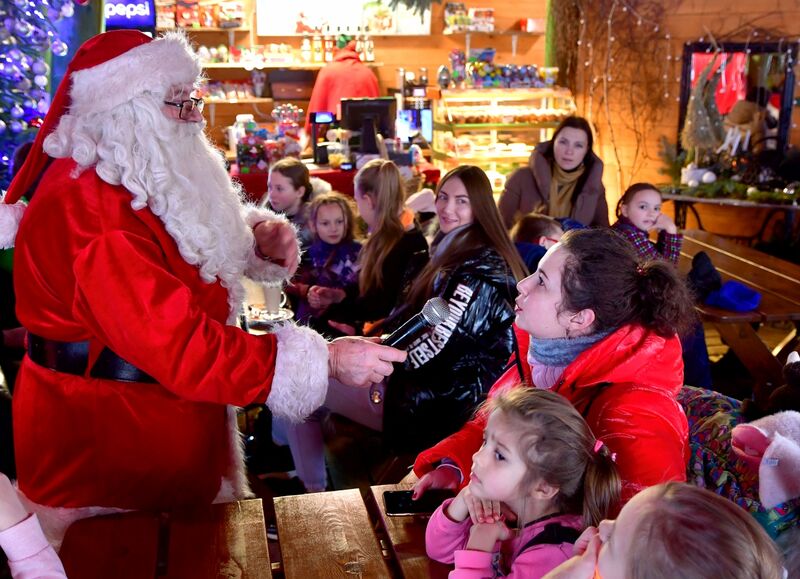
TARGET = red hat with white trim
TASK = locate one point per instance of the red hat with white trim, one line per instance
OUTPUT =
(108, 70)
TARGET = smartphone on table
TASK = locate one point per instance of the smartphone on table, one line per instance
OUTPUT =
(400, 503)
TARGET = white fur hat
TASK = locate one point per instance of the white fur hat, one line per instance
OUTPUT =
(151, 67)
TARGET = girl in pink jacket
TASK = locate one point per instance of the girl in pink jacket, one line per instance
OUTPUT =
(539, 478)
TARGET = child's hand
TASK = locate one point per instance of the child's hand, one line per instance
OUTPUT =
(457, 510)
(478, 509)
(484, 536)
(320, 297)
(11, 509)
(584, 541)
(664, 222)
(343, 328)
(439, 478)
(581, 566)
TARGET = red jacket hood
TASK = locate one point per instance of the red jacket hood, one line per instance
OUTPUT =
(346, 53)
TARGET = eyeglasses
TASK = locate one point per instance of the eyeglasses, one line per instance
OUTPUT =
(187, 107)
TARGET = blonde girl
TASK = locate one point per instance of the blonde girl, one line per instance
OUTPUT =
(329, 272)
(539, 478)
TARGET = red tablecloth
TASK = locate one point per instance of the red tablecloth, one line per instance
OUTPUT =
(255, 184)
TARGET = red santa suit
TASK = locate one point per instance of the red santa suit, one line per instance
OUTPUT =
(345, 77)
(89, 267)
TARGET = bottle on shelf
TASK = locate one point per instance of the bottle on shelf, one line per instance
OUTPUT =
(316, 48)
(305, 49)
(423, 76)
(328, 45)
(359, 44)
(369, 46)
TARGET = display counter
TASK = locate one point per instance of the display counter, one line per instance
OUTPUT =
(496, 128)
(255, 184)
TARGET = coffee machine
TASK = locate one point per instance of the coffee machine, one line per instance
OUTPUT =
(319, 121)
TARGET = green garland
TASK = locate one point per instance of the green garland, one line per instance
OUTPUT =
(728, 189)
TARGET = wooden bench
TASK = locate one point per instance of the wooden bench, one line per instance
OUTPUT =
(328, 535)
(778, 282)
(225, 540)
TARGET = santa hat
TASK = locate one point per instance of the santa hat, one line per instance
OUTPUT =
(108, 70)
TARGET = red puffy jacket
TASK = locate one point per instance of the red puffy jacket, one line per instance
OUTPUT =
(625, 386)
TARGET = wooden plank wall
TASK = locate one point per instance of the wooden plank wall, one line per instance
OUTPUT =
(691, 20)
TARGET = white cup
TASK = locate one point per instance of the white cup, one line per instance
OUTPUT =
(274, 298)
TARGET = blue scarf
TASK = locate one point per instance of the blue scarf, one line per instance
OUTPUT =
(562, 351)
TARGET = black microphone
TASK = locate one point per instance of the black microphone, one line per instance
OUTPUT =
(433, 313)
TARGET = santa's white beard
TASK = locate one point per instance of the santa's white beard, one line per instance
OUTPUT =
(171, 167)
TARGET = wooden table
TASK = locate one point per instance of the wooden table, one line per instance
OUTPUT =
(406, 536)
(685, 203)
(777, 280)
(225, 540)
(336, 534)
(328, 535)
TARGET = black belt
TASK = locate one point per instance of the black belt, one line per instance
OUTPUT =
(73, 358)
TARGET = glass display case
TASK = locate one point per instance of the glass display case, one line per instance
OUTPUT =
(495, 129)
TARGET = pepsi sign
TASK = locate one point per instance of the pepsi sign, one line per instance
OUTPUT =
(130, 14)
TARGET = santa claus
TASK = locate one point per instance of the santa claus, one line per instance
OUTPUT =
(128, 268)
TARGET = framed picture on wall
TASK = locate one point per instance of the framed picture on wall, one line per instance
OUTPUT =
(275, 18)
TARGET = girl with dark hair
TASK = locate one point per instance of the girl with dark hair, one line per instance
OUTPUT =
(564, 178)
(639, 213)
(601, 329)
(288, 192)
(475, 267)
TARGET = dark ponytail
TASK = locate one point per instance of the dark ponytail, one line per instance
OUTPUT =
(602, 273)
(665, 303)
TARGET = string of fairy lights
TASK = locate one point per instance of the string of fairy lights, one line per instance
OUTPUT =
(624, 9)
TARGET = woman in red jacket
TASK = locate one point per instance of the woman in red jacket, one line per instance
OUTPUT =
(600, 329)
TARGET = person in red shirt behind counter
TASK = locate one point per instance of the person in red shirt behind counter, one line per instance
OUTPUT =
(345, 77)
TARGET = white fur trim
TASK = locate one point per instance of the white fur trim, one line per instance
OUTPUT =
(153, 67)
(319, 187)
(301, 373)
(56, 520)
(259, 269)
(234, 486)
(10, 216)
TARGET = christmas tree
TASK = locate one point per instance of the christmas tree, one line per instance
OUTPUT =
(703, 130)
(27, 38)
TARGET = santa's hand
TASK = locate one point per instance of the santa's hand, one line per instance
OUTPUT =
(277, 242)
(361, 361)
